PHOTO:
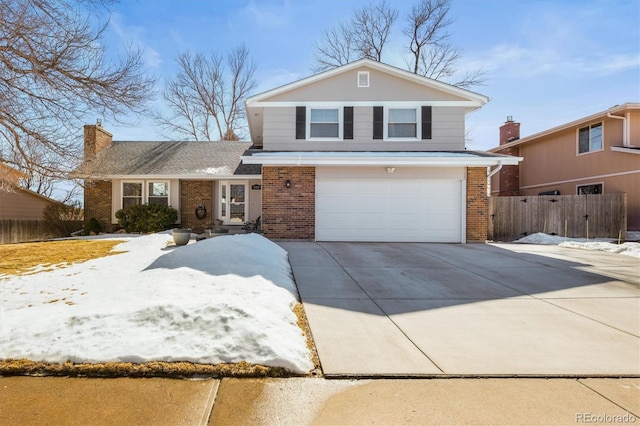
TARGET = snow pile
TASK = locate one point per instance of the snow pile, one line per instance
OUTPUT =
(598, 244)
(222, 300)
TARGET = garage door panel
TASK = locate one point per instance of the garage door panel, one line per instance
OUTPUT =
(417, 210)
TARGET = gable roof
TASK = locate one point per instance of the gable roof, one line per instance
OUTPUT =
(169, 160)
(630, 106)
(382, 67)
(435, 93)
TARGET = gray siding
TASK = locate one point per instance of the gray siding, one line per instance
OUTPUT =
(448, 133)
(344, 87)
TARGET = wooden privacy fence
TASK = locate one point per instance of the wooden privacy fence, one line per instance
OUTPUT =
(18, 231)
(577, 216)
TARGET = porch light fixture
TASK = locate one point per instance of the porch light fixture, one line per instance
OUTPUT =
(391, 169)
(287, 183)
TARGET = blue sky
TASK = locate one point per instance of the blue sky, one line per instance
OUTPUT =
(548, 62)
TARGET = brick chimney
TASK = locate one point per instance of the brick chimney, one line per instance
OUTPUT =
(95, 140)
(509, 176)
(509, 131)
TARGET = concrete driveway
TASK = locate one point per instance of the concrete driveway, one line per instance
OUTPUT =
(405, 309)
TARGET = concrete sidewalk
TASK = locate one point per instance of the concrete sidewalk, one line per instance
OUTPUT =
(72, 401)
(429, 310)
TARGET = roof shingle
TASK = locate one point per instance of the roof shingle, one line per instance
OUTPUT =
(179, 159)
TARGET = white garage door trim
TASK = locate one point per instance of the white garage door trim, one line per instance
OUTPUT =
(408, 205)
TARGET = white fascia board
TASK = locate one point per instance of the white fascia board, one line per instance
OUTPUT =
(170, 177)
(393, 104)
(624, 149)
(368, 160)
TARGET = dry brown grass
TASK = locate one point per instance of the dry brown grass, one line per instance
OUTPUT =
(306, 330)
(23, 367)
(23, 258)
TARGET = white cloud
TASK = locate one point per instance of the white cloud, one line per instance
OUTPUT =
(134, 36)
(267, 15)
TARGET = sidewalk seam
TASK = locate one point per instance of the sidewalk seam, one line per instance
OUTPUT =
(608, 399)
(208, 408)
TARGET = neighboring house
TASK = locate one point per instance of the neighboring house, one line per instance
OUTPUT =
(17, 202)
(597, 154)
(363, 152)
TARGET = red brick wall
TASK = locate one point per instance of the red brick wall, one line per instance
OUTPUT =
(509, 176)
(97, 201)
(477, 204)
(193, 193)
(289, 213)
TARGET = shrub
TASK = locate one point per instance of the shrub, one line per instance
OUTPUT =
(94, 225)
(61, 219)
(146, 217)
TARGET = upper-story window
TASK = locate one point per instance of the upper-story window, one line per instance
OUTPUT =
(324, 123)
(590, 138)
(402, 123)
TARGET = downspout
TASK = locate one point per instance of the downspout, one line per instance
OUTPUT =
(624, 128)
(496, 170)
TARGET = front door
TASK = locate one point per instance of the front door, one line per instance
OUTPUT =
(233, 203)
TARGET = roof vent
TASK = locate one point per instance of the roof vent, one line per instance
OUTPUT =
(363, 78)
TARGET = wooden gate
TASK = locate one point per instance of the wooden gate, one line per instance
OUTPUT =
(576, 216)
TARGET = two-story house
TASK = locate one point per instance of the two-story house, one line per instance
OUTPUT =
(363, 152)
(596, 154)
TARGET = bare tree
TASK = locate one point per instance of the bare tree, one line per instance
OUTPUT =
(432, 54)
(206, 97)
(363, 36)
(54, 73)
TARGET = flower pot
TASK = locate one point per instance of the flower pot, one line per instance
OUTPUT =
(181, 236)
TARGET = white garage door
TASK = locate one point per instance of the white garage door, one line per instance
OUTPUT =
(388, 209)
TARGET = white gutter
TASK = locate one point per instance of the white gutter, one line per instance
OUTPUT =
(298, 159)
(625, 140)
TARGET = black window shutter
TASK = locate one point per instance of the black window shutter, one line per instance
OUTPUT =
(347, 131)
(378, 122)
(301, 124)
(426, 122)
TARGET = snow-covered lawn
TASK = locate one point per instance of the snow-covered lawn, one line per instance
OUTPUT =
(223, 300)
(598, 244)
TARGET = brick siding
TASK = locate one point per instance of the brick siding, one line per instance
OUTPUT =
(97, 201)
(289, 213)
(192, 194)
(477, 204)
(509, 176)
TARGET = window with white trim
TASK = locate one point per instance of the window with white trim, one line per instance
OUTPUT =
(590, 138)
(324, 123)
(145, 192)
(595, 188)
(158, 193)
(402, 123)
(131, 193)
